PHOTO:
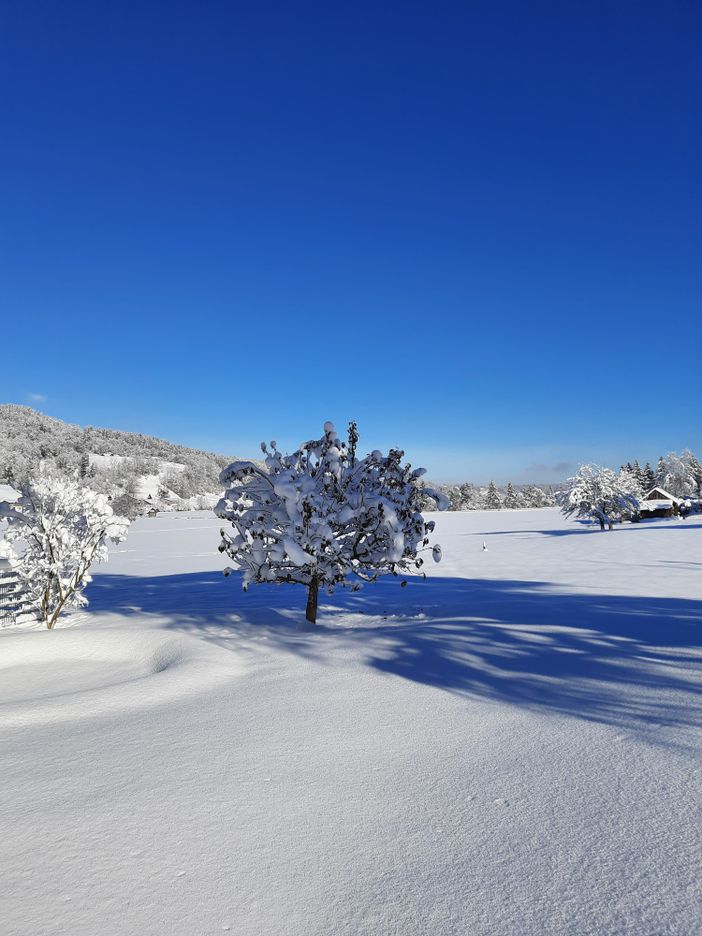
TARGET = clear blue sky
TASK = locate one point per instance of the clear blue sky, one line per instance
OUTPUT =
(474, 227)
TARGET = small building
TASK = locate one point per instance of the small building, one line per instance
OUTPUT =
(659, 503)
(8, 495)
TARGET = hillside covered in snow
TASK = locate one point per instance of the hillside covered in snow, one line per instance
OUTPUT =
(138, 471)
(130, 467)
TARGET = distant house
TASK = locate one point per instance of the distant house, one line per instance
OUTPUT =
(659, 503)
(152, 512)
(8, 494)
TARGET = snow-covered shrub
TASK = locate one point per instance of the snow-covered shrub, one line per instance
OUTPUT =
(598, 493)
(323, 517)
(56, 530)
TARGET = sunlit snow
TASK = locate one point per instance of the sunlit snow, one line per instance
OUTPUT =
(511, 746)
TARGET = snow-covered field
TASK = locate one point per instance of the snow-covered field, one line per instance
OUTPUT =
(510, 747)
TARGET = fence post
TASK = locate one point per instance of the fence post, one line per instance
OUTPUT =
(9, 594)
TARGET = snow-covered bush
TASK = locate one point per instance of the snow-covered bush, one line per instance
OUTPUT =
(56, 530)
(598, 493)
(323, 517)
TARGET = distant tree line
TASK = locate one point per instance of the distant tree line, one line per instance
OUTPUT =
(679, 475)
(28, 438)
(491, 497)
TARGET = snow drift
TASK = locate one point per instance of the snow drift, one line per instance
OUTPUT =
(46, 677)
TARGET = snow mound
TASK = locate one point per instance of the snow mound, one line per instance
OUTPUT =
(64, 674)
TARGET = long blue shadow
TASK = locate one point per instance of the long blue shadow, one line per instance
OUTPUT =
(626, 660)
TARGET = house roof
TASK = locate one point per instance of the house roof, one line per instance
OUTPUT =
(661, 495)
(8, 494)
(655, 505)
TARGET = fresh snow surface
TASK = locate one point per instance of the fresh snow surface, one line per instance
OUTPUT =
(510, 747)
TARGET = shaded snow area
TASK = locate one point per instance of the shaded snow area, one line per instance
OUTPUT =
(510, 747)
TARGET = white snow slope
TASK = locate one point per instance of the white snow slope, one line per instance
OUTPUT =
(511, 747)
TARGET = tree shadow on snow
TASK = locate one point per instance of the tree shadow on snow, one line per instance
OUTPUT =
(584, 527)
(628, 661)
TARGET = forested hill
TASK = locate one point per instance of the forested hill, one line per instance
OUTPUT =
(27, 436)
(138, 470)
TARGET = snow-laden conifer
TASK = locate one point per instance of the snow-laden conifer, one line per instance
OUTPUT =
(630, 480)
(598, 493)
(56, 530)
(322, 517)
(493, 500)
(648, 478)
(511, 499)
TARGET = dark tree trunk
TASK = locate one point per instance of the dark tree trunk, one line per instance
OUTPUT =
(312, 600)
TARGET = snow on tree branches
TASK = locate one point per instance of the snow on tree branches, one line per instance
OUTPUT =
(680, 474)
(56, 531)
(598, 493)
(321, 516)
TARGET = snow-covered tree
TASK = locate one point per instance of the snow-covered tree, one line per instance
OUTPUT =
(648, 478)
(460, 496)
(661, 472)
(512, 499)
(638, 472)
(492, 498)
(534, 496)
(598, 493)
(681, 475)
(323, 517)
(128, 503)
(56, 530)
(630, 481)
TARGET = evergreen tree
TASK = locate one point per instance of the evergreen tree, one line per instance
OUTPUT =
(648, 478)
(511, 497)
(637, 472)
(466, 491)
(661, 472)
(695, 473)
(492, 498)
(630, 482)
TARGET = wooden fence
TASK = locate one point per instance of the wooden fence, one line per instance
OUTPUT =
(9, 595)
(13, 605)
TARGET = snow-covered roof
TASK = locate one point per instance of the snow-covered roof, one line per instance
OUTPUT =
(661, 496)
(8, 494)
(656, 505)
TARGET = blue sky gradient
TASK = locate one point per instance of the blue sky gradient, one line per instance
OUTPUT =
(474, 228)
